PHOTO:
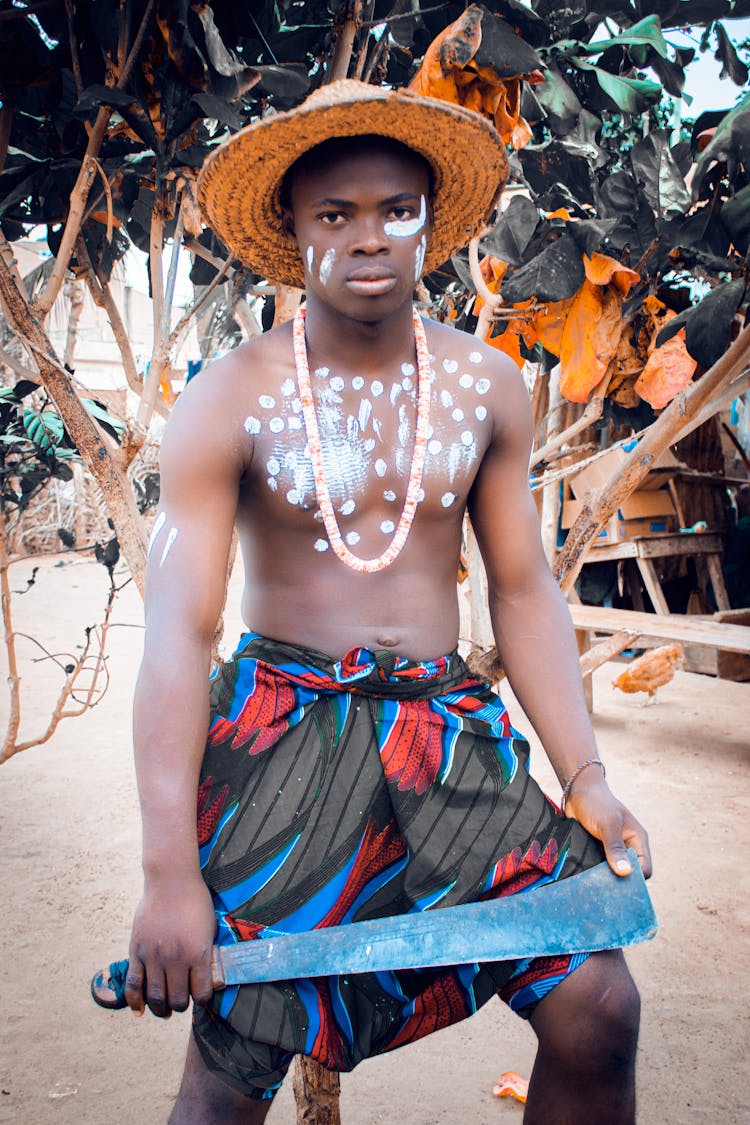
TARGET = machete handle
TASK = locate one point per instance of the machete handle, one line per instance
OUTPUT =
(108, 985)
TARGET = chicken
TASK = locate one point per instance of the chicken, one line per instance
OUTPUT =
(650, 671)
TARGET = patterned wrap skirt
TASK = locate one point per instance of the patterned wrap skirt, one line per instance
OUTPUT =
(337, 791)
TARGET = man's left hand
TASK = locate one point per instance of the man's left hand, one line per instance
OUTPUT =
(593, 805)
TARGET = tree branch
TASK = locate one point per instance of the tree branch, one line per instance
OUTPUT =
(80, 191)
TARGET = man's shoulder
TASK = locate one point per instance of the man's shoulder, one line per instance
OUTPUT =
(455, 346)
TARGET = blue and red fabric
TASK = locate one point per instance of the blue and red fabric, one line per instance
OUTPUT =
(336, 791)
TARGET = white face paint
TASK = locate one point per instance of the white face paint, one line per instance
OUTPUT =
(419, 254)
(159, 522)
(326, 265)
(309, 256)
(407, 228)
(173, 533)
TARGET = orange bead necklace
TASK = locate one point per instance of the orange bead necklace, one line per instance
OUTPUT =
(424, 381)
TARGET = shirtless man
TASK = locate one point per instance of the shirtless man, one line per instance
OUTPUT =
(351, 770)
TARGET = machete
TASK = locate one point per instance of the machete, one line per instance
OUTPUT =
(582, 913)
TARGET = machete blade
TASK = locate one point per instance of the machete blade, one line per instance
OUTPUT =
(582, 913)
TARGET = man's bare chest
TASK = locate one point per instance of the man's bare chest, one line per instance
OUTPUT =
(367, 431)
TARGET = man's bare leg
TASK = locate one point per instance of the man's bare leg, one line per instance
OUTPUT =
(587, 1028)
(205, 1100)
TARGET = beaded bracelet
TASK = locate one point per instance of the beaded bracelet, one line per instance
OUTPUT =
(569, 783)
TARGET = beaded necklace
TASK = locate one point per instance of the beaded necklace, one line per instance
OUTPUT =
(364, 566)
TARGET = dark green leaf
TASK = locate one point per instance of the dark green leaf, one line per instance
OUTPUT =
(504, 50)
(554, 275)
(557, 162)
(707, 325)
(631, 95)
(46, 430)
(558, 100)
(97, 410)
(512, 234)
(589, 234)
(288, 82)
(731, 65)
(218, 110)
(730, 142)
(658, 174)
(735, 215)
(646, 32)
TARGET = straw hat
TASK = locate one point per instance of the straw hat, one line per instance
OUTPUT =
(238, 187)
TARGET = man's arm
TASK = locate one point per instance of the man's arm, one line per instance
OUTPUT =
(202, 460)
(532, 625)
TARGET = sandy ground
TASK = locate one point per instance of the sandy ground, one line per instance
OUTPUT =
(70, 865)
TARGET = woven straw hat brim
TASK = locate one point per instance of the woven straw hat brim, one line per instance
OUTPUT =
(239, 184)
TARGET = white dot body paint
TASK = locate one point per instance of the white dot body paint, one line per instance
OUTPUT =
(173, 533)
(458, 415)
(276, 425)
(467, 438)
(376, 388)
(380, 467)
(252, 425)
(273, 484)
(320, 545)
(294, 423)
(447, 499)
(482, 386)
(407, 369)
(159, 522)
(267, 402)
(288, 388)
(322, 372)
(407, 228)
(337, 384)
(450, 365)
(358, 382)
(309, 256)
(387, 526)
(293, 496)
(389, 495)
(466, 381)
(434, 447)
(475, 357)
(481, 413)
(446, 398)
(326, 265)
(352, 538)
(347, 507)
(273, 466)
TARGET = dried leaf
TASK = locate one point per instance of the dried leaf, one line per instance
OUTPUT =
(451, 71)
(589, 339)
(668, 370)
(601, 270)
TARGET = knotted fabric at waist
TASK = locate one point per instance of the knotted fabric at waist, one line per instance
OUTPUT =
(361, 671)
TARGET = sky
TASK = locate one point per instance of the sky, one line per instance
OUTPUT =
(702, 75)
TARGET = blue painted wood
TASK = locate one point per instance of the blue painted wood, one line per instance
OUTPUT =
(594, 910)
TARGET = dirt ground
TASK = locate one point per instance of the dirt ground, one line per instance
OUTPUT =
(70, 862)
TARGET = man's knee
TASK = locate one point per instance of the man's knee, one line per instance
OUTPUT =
(590, 1021)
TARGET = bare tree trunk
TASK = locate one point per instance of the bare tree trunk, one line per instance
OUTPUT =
(551, 492)
(317, 1092)
(14, 717)
(105, 467)
(74, 292)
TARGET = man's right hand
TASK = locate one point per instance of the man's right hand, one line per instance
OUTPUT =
(170, 947)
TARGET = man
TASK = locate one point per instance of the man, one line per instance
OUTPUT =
(352, 769)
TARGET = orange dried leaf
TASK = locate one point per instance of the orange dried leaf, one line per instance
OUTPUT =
(668, 370)
(509, 341)
(448, 71)
(510, 1084)
(601, 270)
(549, 323)
(589, 340)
